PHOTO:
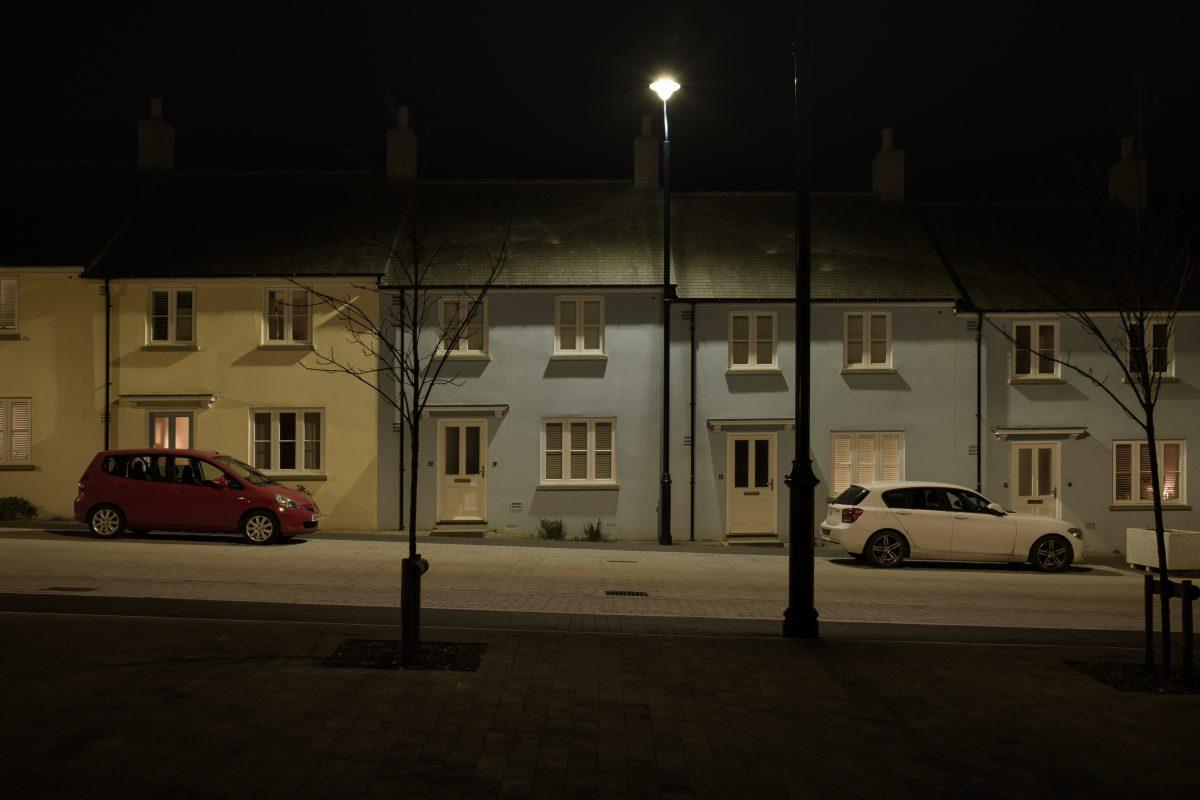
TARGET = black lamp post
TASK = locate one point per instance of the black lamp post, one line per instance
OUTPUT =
(800, 618)
(664, 88)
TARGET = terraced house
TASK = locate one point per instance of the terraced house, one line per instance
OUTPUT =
(158, 307)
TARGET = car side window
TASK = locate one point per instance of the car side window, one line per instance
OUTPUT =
(898, 498)
(114, 465)
(158, 468)
(206, 472)
(966, 502)
(139, 468)
(932, 500)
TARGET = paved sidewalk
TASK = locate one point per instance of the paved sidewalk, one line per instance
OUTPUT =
(139, 707)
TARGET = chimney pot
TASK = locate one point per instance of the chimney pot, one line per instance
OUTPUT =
(887, 170)
(1127, 177)
(402, 148)
(647, 125)
(155, 140)
(156, 108)
(1126, 147)
(645, 157)
(402, 117)
(887, 138)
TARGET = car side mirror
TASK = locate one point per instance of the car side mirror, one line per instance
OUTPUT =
(996, 509)
(219, 483)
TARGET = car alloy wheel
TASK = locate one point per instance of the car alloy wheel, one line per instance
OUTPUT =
(259, 529)
(1052, 554)
(886, 549)
(106, 522)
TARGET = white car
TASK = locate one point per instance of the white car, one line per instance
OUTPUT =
(884, 523)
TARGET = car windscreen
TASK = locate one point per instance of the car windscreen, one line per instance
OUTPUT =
(244, 471)
(851, 496)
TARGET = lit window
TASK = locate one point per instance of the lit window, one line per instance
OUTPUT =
(172, 317)
(1132, 484)
(867, 340)
(753, 339)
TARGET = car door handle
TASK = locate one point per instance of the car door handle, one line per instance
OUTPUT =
(903, 513)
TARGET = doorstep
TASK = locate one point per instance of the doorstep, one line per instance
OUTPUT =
(462, 530)
(753, 540)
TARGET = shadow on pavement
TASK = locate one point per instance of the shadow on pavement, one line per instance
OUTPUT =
(980, 566)
(173, 537)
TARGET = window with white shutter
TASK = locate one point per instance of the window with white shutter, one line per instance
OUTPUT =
(863, 456)
(867, 340)
(1035, 350)
(579, 326)
(1132, 483)
(172, 318)
(287, 317)
(9, 288)
(579, 451)
(460, 339)
(753, 341)
(16, 421)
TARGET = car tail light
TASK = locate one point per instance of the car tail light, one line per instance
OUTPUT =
(82, 482)
(851, 514)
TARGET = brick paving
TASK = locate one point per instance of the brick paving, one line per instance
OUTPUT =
(118, 706)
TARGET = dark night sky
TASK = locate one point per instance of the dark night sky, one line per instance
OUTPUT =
(989, 99)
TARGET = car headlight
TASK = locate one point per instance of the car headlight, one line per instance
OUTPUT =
(286, 502)
(1076, 532)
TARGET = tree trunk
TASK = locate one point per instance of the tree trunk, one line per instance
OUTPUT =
(1164, 593)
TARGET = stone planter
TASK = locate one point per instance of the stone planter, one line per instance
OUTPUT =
(1183, 549)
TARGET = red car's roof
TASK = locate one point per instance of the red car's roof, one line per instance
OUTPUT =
(166, 451)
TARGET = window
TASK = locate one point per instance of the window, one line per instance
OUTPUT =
(172, 316)
(288, 317)
(8, 305)
(579, 326)
(472, 339)
(287, 440)
(966, 502)
(917, 498)
(867, 340)
(1159, 344)
(1131, 472)
(15, 424)
(752, 341)
(1035, 346)
(579, 450)
(859, 457)
(171, 429)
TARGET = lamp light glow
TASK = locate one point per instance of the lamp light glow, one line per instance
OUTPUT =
(664, 88)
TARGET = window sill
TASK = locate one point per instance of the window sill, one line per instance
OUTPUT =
(286, 346)
(297, 476)
(578, 486)
(1149, 507)
(467, 356)
(17, 467)
(868, 371)
(579, 357)
(1034, 381)
(172, 347)
(12, 337)
(753, 371)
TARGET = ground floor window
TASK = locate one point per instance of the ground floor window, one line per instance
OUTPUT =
(16, 421)
(861, 456)
(579, 450)
(288, 439)
(1131, 472)
(171, 429)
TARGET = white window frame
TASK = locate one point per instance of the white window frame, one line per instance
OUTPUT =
(568, 445)
(462, 348)
(855, 463)
(1135, 468)
(288, 305)
(16, 326)
(1148, 333)
(866, 365)
(578, 300)
(1035, 373)
(172, 316)
(301, 438)
(6, 416)
(752, 363)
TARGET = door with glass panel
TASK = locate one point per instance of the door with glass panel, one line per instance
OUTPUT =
(462, 472)
(751, 479)
(171, 430)
(1036, 478)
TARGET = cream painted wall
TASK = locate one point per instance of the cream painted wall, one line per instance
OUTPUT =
(50, 363)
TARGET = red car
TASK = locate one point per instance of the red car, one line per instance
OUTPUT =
(188, 490)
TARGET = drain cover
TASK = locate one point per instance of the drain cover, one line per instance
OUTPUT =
(611, 593)
(69, 589)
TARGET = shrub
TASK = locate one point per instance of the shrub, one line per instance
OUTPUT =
(16, 508)
(594, 532)
(551, 529)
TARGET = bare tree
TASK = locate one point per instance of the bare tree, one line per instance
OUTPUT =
(391, 352)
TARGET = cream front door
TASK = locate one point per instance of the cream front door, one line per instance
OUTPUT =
(751, 479)
(1036, 478)
(462, 471)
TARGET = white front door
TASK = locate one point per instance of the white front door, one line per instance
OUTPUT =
(461, 469)
(751, 480)
(1036, 478)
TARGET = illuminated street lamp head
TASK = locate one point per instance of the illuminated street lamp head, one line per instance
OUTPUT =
(664, 88)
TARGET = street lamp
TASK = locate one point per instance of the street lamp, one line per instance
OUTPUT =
(664, 88)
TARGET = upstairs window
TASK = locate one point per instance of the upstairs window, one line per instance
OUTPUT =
(472, 340)
(8, 305)
(15, 424)
(1035, 346)
(1131, 472)
(288, 317)
(867, 340)
(753, 340)
(863, 456)
(579, 451)
(172, 316)
(1159, 348)
(579, 326)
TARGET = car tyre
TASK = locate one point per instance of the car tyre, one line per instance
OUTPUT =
(1051, 553)
(106, 521)
(885, 549)
(260, 527)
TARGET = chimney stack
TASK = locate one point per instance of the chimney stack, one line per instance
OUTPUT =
(645, 157)
(1127, 177)
(887, 170)
(401, 148)
(155, 140)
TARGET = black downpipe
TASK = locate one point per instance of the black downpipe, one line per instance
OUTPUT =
(979, 402)
(107, 360)
(400, 387)
(692, 434)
